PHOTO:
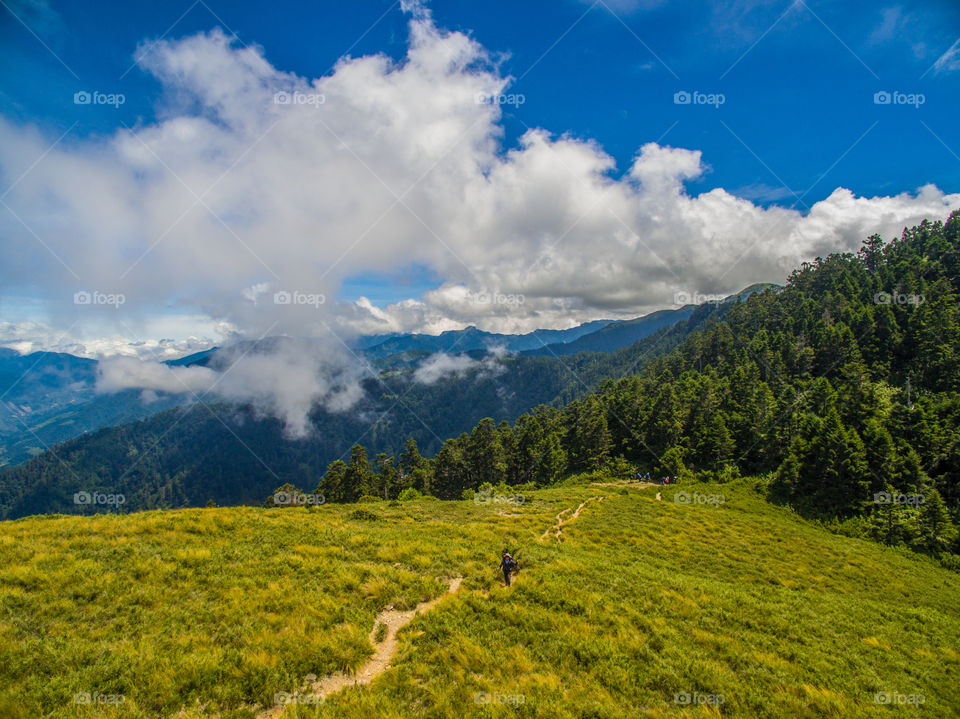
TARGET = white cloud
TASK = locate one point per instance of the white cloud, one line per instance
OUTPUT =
(285, 380)
(398, 165)
(441, 365)
(231, 197)
(892, 21)
(34, 336)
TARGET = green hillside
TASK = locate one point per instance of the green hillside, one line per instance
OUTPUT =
(233, 454)
(711, 595)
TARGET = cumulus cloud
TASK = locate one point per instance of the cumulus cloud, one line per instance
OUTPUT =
(257, 191)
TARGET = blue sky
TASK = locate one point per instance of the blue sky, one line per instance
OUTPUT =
(798, 78)
(797, 82)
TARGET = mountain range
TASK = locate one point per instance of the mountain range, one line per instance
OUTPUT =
(50, 397)
(227, 453)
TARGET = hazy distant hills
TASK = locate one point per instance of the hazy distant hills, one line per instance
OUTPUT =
(233, 454)
(50, 397)
(471, 338)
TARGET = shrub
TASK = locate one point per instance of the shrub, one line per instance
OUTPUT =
(408, 494)
(369, 498)
(468, 494)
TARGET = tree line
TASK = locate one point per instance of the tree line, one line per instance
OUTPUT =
(841, 389)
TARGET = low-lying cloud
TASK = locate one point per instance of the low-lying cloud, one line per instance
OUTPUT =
(286, 380)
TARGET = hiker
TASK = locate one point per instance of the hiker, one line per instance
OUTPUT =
(509, 566)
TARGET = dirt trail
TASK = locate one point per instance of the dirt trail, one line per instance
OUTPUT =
(557, 529)
(394, 620)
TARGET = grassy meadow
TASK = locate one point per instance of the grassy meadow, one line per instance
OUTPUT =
(719, 605)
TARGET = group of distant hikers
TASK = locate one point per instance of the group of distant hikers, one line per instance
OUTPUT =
(661, 480)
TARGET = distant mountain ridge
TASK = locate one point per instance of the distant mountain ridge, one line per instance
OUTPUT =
(187, 455)
(471, 338)
(50, 397)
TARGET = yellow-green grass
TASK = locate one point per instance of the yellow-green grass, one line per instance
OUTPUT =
(642, 604)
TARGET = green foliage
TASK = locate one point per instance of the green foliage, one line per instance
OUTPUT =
(842, 384)
(642, 600)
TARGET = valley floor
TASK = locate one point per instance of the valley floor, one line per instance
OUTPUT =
(708, 601)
